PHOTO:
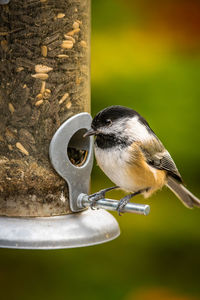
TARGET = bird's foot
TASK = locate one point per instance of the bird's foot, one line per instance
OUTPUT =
(122, 203)
(99, 195)
(126, 199)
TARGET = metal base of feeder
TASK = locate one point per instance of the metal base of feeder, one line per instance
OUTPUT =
(86, 228)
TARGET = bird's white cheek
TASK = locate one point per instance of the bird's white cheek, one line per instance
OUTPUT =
(137, 130)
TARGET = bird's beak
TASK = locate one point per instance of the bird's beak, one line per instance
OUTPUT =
(90, 132)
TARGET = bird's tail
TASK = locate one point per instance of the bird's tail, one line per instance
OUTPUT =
(187, 198)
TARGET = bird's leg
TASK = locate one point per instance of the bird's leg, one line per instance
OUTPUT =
(126, 199)
(100, 195)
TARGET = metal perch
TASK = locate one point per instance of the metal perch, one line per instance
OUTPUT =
(110, 204)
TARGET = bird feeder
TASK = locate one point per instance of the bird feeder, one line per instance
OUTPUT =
(45, 163)
(44, 81)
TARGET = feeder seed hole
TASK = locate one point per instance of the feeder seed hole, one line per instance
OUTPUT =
(78, 147)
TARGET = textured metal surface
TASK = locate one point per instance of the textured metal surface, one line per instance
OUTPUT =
(110, 204)
(86, 228)
(78, 178)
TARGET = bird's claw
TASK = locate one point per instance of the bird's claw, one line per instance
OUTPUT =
(126, 199)
(121, 205)
(99, 195)
(95, 197)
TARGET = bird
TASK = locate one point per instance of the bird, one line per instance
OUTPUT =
(133, 157)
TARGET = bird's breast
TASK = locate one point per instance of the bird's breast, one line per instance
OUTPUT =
(128, 169)
(114, 163)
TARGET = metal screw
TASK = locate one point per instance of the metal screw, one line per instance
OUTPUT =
(83, 201)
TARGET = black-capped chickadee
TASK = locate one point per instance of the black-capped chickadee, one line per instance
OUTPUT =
(132, 156)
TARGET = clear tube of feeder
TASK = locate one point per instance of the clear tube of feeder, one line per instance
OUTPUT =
(44, 80)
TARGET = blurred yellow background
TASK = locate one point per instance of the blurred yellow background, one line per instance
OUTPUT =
(145, 55)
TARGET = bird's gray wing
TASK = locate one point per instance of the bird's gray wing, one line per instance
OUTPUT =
(166, 163)
(159, 158)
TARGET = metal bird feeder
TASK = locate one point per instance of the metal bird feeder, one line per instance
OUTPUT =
(44, 80)
(44, 101)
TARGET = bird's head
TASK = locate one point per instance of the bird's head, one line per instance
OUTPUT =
(119, 126)
(111, 120)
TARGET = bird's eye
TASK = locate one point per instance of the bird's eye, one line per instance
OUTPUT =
(108, 122)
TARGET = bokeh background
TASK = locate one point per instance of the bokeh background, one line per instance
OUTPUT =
(145, 55)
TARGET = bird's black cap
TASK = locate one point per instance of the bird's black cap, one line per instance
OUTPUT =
(114, 113)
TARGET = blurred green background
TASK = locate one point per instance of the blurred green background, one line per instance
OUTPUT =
(145, 55)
